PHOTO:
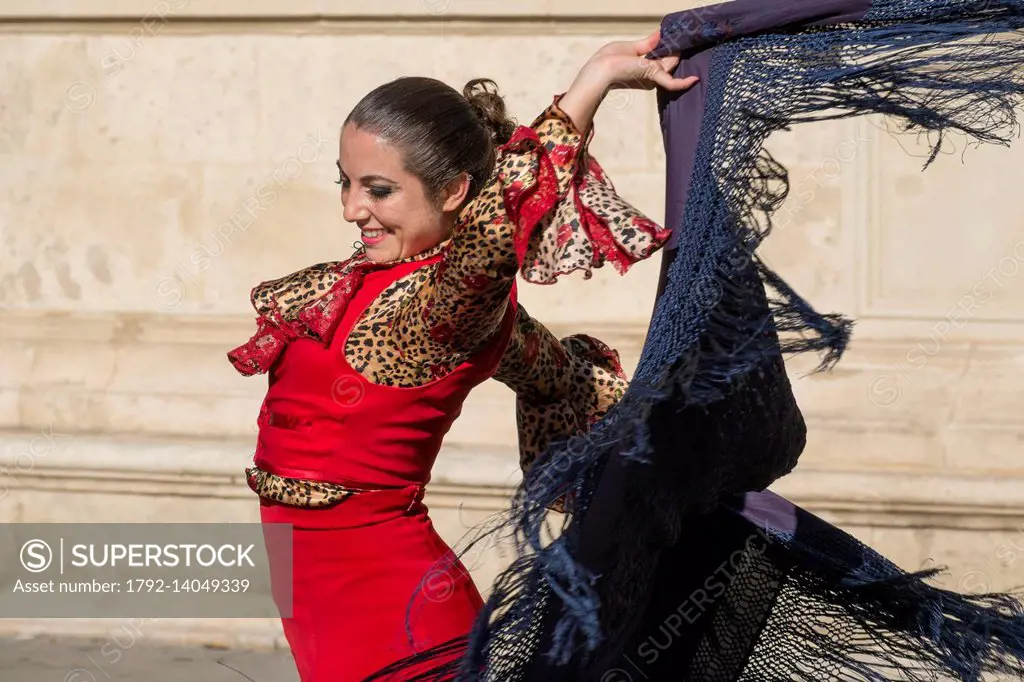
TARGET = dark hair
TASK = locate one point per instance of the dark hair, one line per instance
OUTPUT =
(440, 132)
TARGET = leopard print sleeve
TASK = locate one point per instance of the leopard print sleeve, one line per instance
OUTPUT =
(562, 386)
(568, 214)
(548, 210)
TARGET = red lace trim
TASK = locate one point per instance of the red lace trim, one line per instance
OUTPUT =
(526, 206)
(261, 351)
(601, 354)
(322, 318)
(603, 236)
(319, 321)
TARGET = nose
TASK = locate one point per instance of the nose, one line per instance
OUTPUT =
(354, 210)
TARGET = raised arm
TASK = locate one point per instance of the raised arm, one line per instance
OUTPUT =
(548, 210)
(462, 305)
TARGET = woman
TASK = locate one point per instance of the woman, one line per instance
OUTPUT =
(370, 359)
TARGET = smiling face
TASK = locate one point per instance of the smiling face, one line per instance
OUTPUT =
(390, 206)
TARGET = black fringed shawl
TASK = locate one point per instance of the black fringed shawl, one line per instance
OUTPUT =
(709, 412)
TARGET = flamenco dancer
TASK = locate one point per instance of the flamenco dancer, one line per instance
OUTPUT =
(370, 359)
(676, 563)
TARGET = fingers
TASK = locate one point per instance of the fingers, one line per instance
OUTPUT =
(640, 73)
(649, 43)
(669, 63)
(665, 80)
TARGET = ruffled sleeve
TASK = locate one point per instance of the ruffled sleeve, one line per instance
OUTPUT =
(307, 304)
(562, 386)
(567, 214)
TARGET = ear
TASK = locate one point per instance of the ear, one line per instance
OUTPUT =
(455, 193)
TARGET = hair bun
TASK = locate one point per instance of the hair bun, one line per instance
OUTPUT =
(482, 94)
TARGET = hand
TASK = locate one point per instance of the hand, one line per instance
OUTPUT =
(622, 64)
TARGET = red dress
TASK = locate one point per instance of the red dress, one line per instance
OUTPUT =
(369, 365)
(323, 421)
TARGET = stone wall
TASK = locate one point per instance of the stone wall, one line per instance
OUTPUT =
(161, 158)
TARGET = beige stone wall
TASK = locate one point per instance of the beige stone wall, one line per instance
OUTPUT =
(161, 158)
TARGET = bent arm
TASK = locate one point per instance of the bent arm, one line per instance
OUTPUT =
(547, 211)
(562, 386)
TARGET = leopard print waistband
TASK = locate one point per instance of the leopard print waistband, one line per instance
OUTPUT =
(297, 492)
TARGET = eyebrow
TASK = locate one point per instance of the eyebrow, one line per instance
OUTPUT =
(366, 178)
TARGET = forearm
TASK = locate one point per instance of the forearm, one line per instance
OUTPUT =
(585, 95)
(561, 385)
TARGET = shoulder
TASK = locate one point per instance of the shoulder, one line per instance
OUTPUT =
(294, 291)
